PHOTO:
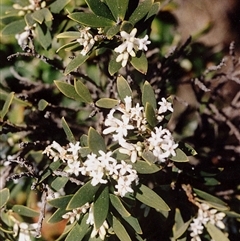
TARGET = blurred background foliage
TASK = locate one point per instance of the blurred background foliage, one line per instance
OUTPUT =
(206, 102)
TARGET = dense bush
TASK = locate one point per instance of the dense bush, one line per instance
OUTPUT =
(98, 141)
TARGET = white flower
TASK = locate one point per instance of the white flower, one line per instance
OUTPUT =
(130, 45)
(86, 40)
(75, 214)
(74, 148)
(161, 144)
(24, 231)
(74, 167)
(55, 152)
(164, 106)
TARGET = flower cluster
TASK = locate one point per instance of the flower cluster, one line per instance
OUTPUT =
(33, 6)
(130, 45)
(75, 214)
(24, 231)
(205, 215)
(23, 38)
(86, 40)
(160, 142)
(99, 168)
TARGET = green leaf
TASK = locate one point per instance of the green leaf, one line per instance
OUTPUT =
(134, 223)
(14, 27)
(57, 216)
(187, 149)
(49, 170)
(150, 198)
(60, 202)
(68, 90)
(59, 183)
(91, 20)
(215, 233)
(79, 230)
(100, 206)
(118, 8)
(25, 211)
(43, 35)
(149, 157)
(42, 104)
(143, 167)
(120, 230)
(58, 5)
(150, 115)
(106, 103)
(68, 131)
(153, 11)
(7, 105)
(42, 15)
(211, 200)
(180, 156)
(75, 63)
(82, 91)
(83, 195)
(95, 141)
(141, 11)
(69, 34)
(29, 20)
(4, 194)
(114, 66)
(140, 62)
(126, 26)
(118, 205)
(123, 88)
(99, 8)
(112, 31)
(72, 46)
(148, 95)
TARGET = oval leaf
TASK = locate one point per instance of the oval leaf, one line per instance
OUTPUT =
(148, 95)
(92, 20)
(75, 63)
(107, 103)
(140, 63)
(100, 206)
(95, 141)
(14, 27)
(42, 104)
(79, 230)
(141, 11)
(118, 8)
(150, 198)
(180, 156)
(43, 35)
(58, 5)
(123, 88)
(25, 211)
(83, 195)
(82, 91)
(68, 90)
(150, 115)
(114, 66)
(149, 157)
(212, 200)
(68, 131)
(118, 205)
(4, 194)
(60, 202)
(134, 223)
(99, 8)
(119, 230)
(215, 233)
(143, 167)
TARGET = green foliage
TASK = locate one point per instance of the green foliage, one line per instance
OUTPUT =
(110, 167)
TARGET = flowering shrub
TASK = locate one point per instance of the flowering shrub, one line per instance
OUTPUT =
(99, 157)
